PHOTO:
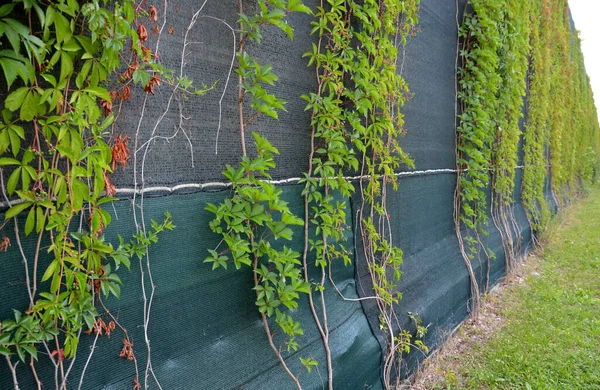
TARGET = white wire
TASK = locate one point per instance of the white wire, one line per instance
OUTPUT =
(222, 185)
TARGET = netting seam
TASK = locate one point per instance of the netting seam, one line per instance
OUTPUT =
(161, 190)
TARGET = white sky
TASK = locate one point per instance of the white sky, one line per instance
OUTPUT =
(585, 14)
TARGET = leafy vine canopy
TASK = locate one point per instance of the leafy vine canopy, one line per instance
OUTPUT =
(65, 64)
(68, 68)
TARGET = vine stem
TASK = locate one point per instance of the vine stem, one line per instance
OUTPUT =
(61, 365)
(321, 326)
(18, 238)
(266, 324)
(87, 362)
(29, 289)
(498, 217)
(142, 228)
(473, 306)
(34, 372)
(325, 326)
(488, 259)
(475, 300)
(148, 296)
(138, 228)
(240, 82)
(311, 302)
(456, 73)
(148, 300)
(381, 304)
(226, 80)
(193, 21)
(135, 363)
(13, 371)
(35, 259)
(63, 385)
(39, 242)
(374, 222)
(515, 226)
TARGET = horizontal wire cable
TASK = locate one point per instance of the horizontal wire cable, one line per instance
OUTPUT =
(162, 190)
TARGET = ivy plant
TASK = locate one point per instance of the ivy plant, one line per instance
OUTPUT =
(356, 126)
(58, 58)
(254, 215)
(499, 50)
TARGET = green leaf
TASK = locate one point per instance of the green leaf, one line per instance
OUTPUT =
(6, 9)
(30, 350)
(87, 44)
(95, 225)
(63, 28)
(13, 180)
(12, 36)
(17, 130)
(72, 46)
(298, 6)
(80, 192)
(10, 68)
(14, 101)
(4, 140)
(99, 92)
(66, 66)
(40, 219)
(46, 95)
(15, 32)
(141, 77)
(115, 289)
(308, 363)
(30, 222)
(54, 265)
(120, 256)
(27, 4)
(291, 219)
(30, 106)
(55, 283)
(40, 13)
(107, 122)
(21, 353)
(7, 115)
(5, 161)
(71, 8)
(83, 73)
(16, 209)
(265, 109)
(15, 134)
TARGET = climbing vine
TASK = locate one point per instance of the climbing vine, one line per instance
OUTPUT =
(535, 137)
(58, 61)
(356, 125)
(478, 87)
(512, 69)
(560, 142)
(573, 125)
(498, 52)
(66, 65)
(255, 216)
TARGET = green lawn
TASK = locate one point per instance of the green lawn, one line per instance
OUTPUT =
(550, 337)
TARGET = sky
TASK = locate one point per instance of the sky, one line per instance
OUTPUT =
(585, 14)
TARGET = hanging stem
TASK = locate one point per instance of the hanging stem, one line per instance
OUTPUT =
(13, 371)
(240, 84)
(265, 320)
(34, 372)
(321, 326)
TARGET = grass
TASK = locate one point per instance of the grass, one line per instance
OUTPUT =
(550, 332)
